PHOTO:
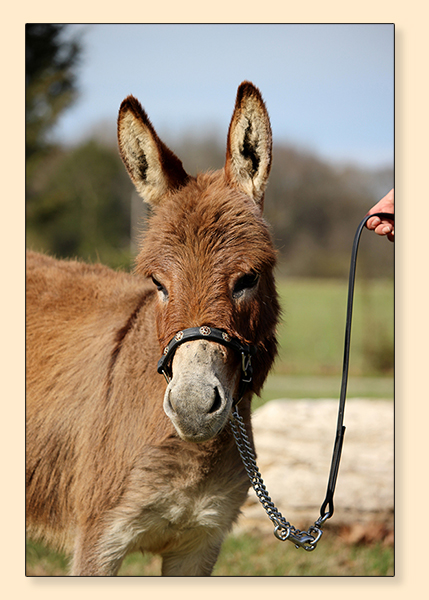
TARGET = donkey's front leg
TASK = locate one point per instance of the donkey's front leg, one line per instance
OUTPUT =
(95, 556)
(196, 563)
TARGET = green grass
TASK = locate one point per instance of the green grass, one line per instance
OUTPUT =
(42, 561)
(252, 555)
(311, 334)
(311, 341)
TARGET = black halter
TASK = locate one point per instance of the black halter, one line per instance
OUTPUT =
(213, 335)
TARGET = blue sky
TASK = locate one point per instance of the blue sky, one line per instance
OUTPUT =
(329, 89)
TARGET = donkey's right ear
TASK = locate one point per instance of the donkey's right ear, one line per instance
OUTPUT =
(154, 169)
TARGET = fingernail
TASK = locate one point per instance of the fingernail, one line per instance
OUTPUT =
(386, 229)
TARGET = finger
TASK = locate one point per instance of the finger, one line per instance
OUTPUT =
(384, 228)
(373, 222)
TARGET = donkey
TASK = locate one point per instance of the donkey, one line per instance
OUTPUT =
(120, 459)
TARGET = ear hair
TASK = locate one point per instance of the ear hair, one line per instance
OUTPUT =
(249, 144)
(154, 169)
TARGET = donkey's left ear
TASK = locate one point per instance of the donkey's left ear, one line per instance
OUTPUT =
(249, 145)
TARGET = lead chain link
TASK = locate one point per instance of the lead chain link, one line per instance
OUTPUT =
(283, 530)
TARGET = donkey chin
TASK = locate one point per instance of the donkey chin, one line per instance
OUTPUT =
(198, 399)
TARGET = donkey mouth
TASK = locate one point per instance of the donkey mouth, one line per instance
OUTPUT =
(196, 437)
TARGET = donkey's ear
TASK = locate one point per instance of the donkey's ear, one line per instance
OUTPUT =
(249, 145)
(154, 169)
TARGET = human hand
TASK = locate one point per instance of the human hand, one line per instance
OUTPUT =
(383, 226)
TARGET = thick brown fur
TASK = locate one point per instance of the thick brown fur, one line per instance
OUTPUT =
(107, 473)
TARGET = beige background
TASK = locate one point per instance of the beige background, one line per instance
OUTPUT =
(411, 297)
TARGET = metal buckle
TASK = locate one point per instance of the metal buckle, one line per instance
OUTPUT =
(166, 376)
(246, 364)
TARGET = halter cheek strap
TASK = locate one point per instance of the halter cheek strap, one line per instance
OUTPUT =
(213, 335)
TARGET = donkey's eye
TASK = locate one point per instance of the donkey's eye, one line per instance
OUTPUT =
(246, 282)
(160, 287)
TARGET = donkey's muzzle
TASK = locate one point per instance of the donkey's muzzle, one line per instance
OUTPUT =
(213, 335)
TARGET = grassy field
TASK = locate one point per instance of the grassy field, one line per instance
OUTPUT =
(249, 555)
(309, 366)
(311, 336)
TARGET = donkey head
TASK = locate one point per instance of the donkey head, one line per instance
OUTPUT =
(210, 256)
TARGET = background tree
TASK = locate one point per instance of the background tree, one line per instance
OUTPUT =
(84, 207)
(50, 88)
(50, 80)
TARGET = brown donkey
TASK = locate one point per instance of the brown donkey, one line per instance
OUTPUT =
(118, 459)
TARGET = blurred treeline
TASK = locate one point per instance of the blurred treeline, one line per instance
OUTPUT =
(80, 201)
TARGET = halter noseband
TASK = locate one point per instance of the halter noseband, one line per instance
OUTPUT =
(213, 335)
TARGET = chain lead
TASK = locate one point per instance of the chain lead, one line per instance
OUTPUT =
(283, 530)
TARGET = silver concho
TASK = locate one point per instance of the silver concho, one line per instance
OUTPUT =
(226, 337)
(178, 336)
(205, 330)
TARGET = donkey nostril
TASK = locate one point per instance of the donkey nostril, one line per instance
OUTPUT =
(217, 402)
